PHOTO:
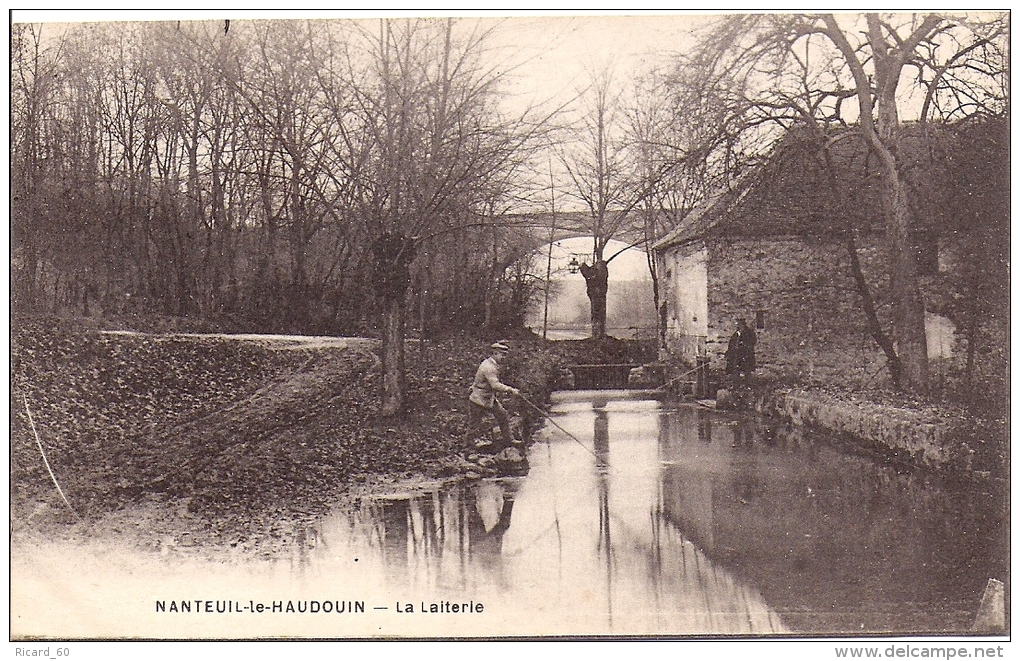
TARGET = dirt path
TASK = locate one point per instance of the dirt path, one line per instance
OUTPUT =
(271, 341)
(218, 477)
(224, 444)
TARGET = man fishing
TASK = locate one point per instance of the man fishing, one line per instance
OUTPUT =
(482, 400)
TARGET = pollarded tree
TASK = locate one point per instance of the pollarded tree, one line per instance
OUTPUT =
(603, 178)
(428, 108)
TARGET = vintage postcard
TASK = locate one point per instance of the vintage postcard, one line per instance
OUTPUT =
(519, 326)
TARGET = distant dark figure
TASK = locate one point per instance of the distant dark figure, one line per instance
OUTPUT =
(740, 352)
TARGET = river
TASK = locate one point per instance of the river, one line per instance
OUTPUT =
(637, 518)
(642, 519)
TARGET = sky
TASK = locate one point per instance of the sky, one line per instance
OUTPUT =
(557, 53)
(549, 55)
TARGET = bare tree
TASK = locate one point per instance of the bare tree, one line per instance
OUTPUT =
(188, 169)
(780, 71)
(673, 137)
(428, 107)
(601, 170)
(35, 75)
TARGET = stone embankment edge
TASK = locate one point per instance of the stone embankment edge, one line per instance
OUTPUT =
(901, 434)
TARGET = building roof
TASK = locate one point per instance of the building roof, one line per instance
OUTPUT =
(792, 193)
(703, 217)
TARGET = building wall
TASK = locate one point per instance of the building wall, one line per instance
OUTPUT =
(798, 288)
(683, 290)
(801, 291)
(814, 327)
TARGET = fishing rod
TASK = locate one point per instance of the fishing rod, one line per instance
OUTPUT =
(557, 425)
(679, 376)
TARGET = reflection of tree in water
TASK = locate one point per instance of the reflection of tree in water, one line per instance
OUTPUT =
(638, 574)
(686, 581)
(704, 425)
(601, 439)
(448, 539)
(676, 550)
(684, 588)
(747, 483)
(306, 539)
(811, 526)
(681, 577)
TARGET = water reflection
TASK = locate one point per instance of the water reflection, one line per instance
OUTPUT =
(600, 439)
(679, 522)
(834, 542)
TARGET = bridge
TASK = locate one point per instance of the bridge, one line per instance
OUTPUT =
(540, 228)
(630, 306)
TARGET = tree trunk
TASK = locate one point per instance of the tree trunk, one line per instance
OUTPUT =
(660, 321)
(908, 305)
(978, 247)
(393, 381)
(878, 92)
(393, 255)
(219, 229)
(422, 291)
(29, 276)
(491, 281)
(648, 216)
(870, 313)
(882, 339)
(596, 280)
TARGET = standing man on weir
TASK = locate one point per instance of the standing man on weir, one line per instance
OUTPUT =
(740, 363)
(482, 400)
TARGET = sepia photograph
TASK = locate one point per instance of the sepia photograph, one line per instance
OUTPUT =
(484, 327)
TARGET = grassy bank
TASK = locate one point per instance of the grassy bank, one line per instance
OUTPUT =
(240, 431)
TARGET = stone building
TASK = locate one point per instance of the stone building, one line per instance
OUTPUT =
(795, 290)
(778, 248)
